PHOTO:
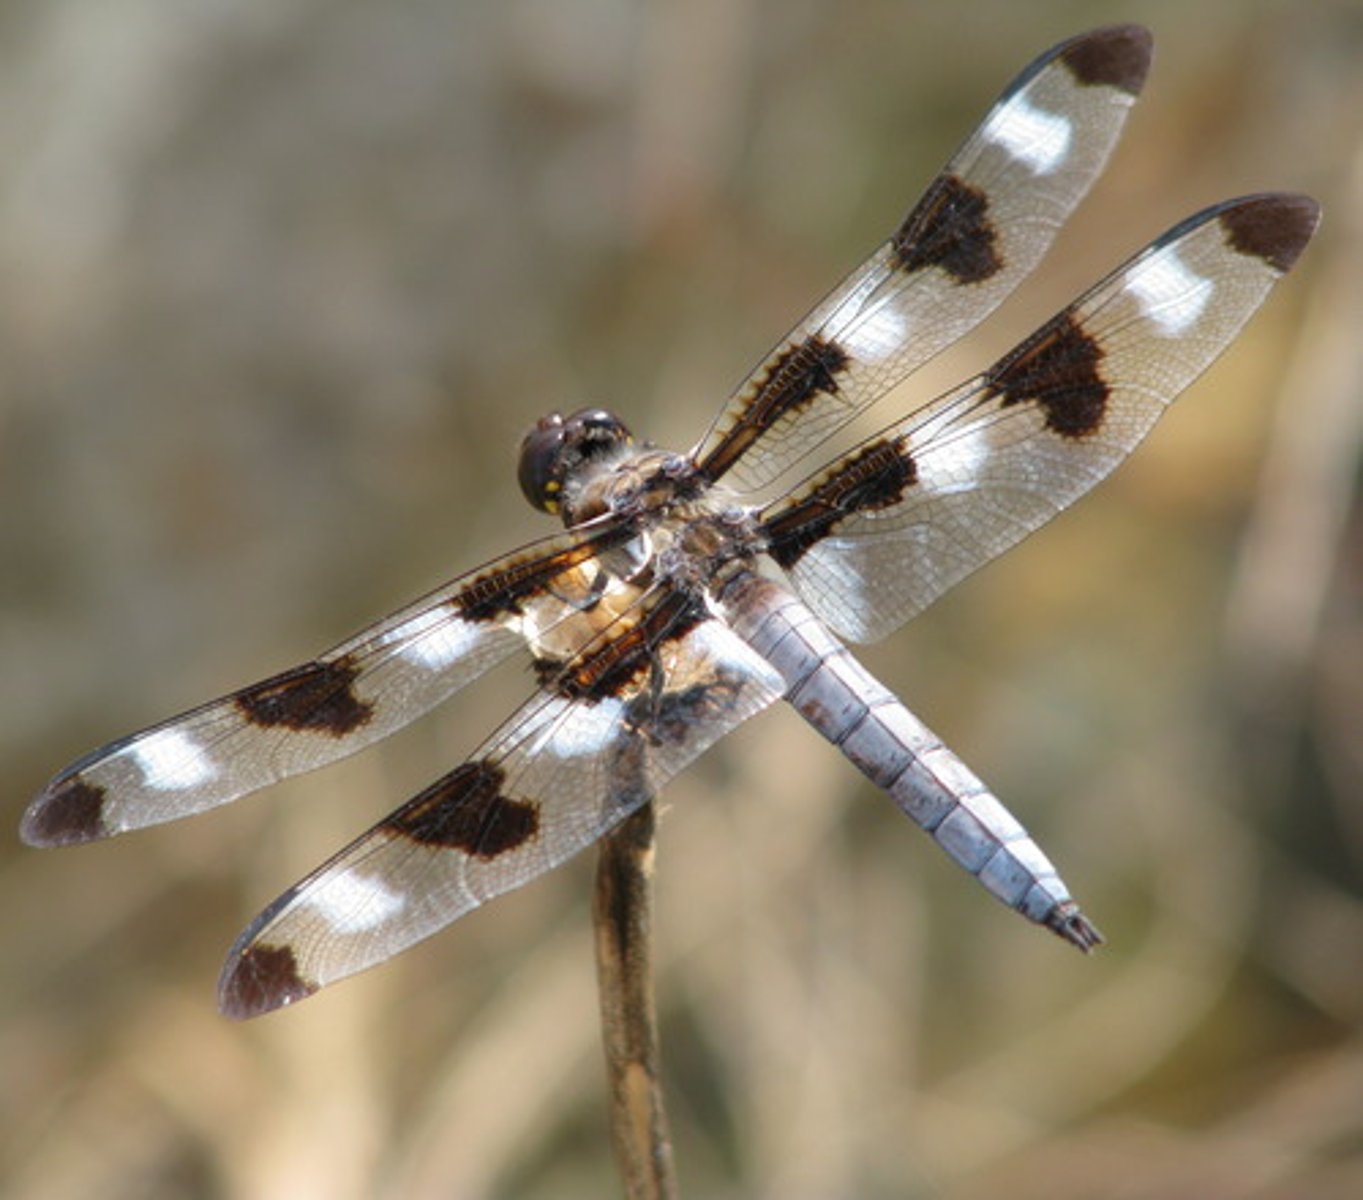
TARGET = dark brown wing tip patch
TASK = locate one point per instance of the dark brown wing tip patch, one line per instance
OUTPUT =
(316, 697)
(467, 811)
(66, 813)
(260, 979)
(1115, 56)
(1275, 227)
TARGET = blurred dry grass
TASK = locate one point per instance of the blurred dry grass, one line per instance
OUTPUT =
(283, 282)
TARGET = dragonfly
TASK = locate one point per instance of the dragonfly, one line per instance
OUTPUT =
(681, 598)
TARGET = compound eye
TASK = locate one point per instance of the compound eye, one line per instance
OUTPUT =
(541, 463)
(594, 431)
(559, 448)
(597, 424)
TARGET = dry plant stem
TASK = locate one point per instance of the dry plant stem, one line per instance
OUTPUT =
(622, 914)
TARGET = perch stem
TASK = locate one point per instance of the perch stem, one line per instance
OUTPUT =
(622, 915)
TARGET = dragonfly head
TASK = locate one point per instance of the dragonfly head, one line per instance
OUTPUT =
(556, 453)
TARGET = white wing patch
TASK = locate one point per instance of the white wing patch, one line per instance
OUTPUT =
(433, 639)
(1037, 138)
(877, 335)
(352, 903)
(955, 462)
(1169, 293)
(171, 760)
(577, 730)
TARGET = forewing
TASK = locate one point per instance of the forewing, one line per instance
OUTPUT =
(982, 225)
(314, 714)
(907, 514)
(601, 738)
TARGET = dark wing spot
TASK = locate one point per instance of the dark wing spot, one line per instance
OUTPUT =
(1274, 228)
(1118, 56)
(794, 376)
(316, 696)
(670, 718)
(949, 228)
(505, 587)
(467, 811)
(259, 979)
(611, 665)
(67, 811)
(1056, 368)
(877, 476)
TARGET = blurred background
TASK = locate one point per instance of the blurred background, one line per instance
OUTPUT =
(282, 282)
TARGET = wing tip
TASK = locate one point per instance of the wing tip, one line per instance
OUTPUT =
(1273, 226)
(1117, 56)
(259, 979)
(68, 812)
